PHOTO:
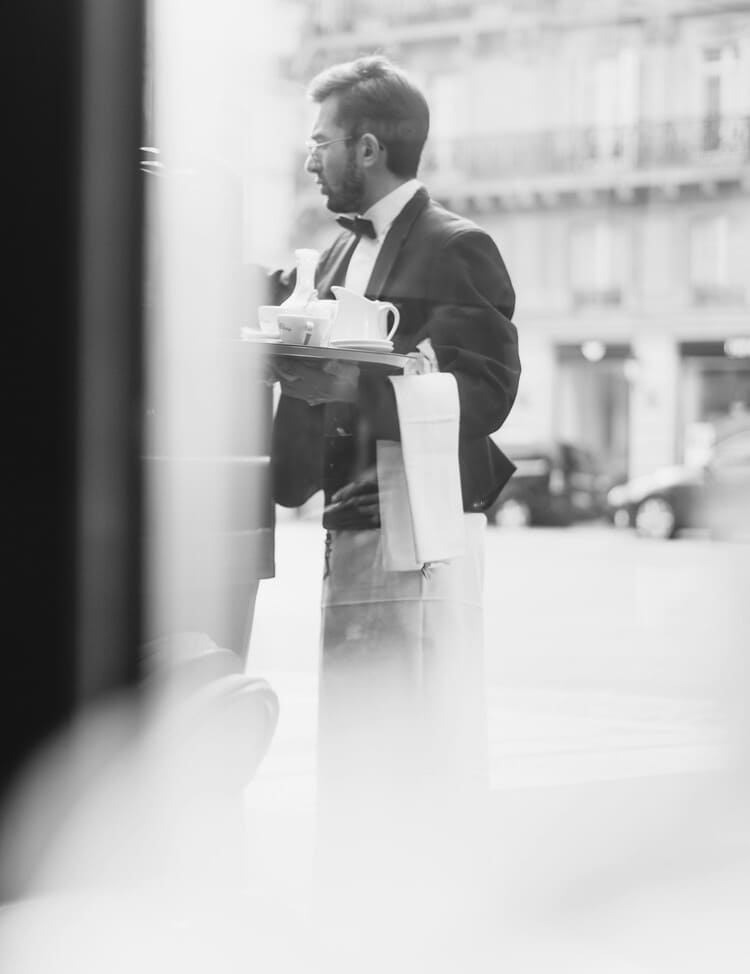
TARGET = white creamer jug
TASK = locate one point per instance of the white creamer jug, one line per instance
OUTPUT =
(361, 319)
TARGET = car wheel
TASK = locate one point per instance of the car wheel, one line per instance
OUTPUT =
(513, 514)
(655, 518)
(621, 518)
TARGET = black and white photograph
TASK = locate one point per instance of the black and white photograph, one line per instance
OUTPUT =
(377, 487)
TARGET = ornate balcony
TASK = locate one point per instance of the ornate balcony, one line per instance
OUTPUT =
(341, 16)
(530, 168)
(601, 297)
(670, 154)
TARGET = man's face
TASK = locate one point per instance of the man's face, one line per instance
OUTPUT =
(335, 166)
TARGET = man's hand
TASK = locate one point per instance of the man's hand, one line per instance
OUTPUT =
(425, 362)
(357, 500)
(317, 382)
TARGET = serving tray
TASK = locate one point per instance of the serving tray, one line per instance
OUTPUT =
(388, 361)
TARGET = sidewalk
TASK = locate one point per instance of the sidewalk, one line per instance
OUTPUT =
(537, 737)
(616, 840)
(597, 771)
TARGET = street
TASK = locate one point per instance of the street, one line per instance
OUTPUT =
(616, 640)
(617, 687)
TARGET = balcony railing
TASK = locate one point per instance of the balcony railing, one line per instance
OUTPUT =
(597, 297)
(333, 16)
(717, 294)
(695, 147)
(700, 144)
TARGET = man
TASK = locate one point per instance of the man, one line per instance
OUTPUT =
(401, 674)
(443, 273)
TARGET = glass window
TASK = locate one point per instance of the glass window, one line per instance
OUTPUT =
(709, 253)
(596, 262)
(720, 97)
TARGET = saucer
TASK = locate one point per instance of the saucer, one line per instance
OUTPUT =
(371, 345)
(255, 335)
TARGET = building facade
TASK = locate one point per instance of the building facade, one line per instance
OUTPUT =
(606, 148)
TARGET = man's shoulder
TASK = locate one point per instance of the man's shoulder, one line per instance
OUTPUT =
(445, 223)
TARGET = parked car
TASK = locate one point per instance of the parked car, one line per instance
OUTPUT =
(555, 483)
(714, 497)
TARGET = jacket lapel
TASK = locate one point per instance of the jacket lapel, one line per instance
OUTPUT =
(394, 241)
(335, 271)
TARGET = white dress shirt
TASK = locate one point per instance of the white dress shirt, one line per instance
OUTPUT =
(382, 214)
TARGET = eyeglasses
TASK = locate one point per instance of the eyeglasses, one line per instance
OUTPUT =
(313, 147)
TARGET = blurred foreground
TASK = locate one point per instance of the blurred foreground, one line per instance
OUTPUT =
(615, 833)
(613, 836)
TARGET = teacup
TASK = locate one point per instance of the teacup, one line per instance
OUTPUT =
(302, 329)
(325, 307)
(268, 318)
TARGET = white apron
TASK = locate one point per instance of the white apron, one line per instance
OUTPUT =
(402, 669)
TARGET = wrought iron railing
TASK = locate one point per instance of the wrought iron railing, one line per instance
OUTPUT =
(333, 16)
(597, 297)
(702, 144)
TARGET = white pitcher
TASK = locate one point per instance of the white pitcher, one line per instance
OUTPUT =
(304, 288)
(360, 319)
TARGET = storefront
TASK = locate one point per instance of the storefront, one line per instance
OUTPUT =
(714, 390)
(592, 408)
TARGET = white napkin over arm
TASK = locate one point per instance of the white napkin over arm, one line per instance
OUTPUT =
(421, 508)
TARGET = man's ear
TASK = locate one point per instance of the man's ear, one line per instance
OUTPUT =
(372, 150)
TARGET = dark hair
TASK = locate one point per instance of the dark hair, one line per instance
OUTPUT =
(377, 97)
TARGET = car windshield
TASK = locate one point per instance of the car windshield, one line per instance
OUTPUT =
(732, 452)
(531, 466)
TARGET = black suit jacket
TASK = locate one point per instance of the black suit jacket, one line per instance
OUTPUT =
(450, 285)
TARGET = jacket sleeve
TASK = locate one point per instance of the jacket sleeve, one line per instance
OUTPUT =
(469, 324)
(468, 306)
(296, 452)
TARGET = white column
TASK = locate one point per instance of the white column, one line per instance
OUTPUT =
(654, 376)
(533, 413)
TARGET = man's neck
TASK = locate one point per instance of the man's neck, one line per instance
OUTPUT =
(384, 185)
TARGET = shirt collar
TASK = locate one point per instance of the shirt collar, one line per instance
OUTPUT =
(384, 212)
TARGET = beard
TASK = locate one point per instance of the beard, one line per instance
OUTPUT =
(347, 198)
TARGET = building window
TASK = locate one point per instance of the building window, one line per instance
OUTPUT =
(715, 385)
(605, 106)
(720, 97)
(596, 264)
(448, 149)
(709, 261)
(335, 15)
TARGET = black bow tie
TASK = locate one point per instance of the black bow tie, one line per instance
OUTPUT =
(359, 226)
